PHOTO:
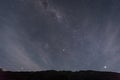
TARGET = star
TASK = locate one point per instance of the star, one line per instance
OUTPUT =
(105, 67)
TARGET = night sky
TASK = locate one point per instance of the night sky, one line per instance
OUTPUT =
(74, 35)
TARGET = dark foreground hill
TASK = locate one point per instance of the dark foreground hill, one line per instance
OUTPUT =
(59, 75)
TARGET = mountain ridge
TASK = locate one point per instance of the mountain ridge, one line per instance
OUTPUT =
(60, 75)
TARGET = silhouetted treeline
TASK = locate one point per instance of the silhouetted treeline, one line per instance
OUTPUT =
(59, 75)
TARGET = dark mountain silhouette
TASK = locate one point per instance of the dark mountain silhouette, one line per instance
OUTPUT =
(59, 75)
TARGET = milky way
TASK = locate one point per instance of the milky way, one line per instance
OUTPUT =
(72, 35)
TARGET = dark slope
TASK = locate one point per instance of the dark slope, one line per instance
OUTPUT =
(59, 75)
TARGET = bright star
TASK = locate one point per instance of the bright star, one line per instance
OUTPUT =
(105, 67)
